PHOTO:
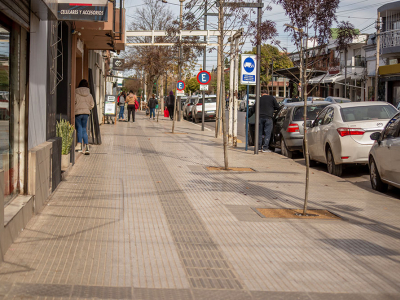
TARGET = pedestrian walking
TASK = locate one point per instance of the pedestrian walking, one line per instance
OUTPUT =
(83, 105)
(152, 105)
(227, 101)
(268, 105)
(171, 104)
(131, 100)
(121, 105)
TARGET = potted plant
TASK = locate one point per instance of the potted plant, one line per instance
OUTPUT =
(65, 130)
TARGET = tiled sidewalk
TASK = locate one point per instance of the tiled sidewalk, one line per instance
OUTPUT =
(141, 218)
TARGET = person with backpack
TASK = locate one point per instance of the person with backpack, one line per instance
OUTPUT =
(152, 105)
(121, 104)
(131, 100)
(171, 104)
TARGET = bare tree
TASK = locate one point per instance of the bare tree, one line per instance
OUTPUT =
(231, 16)
(311, 20)
(153, 60)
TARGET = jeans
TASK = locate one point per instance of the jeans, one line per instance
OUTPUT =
(152, 112)
(81, 127)
(265, 129)
(131, 110)
(121, 112)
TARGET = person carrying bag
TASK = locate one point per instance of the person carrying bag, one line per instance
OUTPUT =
(131, 100)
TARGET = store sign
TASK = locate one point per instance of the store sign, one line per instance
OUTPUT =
(110, 106)
(118, 64)
(83, 10)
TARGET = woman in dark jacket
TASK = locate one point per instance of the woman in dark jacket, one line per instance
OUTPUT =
(171, 104)
(152, 105)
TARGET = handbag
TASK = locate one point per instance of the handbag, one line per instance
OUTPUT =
(166, 113)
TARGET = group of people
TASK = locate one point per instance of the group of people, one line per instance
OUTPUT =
(132, 104)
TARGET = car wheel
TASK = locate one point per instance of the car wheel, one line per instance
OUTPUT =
(333, 168)
(285, 151)
(184, 117)
(376, 181)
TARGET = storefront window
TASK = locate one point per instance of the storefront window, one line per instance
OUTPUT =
(6, 136)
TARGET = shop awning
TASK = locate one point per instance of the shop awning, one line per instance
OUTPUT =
(294, 73)
(318, 79)
(334, 78)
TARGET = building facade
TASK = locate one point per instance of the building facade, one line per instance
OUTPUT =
(46, 48)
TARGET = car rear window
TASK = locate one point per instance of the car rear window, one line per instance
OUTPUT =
(208, 100)
(312, 112)
(362, 113)
(340, 100)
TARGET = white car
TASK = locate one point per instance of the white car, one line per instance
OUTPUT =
(210, 108)
(341, 133)
(384, 157)
(252, 100)
(187, 107)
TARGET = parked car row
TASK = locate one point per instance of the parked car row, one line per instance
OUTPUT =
(342, 134)
(193, 108)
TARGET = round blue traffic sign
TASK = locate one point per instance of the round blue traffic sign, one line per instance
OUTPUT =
(248, 65)
(203, 77)
(180, 85)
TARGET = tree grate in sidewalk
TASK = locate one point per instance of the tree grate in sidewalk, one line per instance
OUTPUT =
(233, 169)
(289, 213)
(176, 133)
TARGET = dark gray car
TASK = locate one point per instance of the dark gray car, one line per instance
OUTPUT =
(288, 129)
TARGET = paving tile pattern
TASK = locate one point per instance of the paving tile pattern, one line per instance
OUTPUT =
(204, 262)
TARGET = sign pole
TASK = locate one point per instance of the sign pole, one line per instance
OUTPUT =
(247, 118)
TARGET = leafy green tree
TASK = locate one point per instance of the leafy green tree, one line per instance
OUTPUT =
(271, 54)
(192, 85)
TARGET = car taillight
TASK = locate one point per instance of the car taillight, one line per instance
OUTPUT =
(293, 128)
(188, 104)
(199, 104)
(350, 131)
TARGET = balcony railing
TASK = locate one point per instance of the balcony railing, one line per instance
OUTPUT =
(355, 62)
(390, 39)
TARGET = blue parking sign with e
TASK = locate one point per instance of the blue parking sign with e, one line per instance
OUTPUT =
(180, 85)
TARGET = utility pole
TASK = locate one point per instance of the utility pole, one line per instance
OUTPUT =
(345, 73)
(378, 47)
(258, 71)
(203, 106)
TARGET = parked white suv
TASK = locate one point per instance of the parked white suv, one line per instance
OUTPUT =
(210, 108)
(341, 133)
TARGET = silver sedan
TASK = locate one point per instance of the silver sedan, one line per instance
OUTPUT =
(384, 157)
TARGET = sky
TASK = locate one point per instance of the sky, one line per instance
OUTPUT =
(361, 13)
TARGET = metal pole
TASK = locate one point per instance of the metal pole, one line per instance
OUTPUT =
(378, 47)
(345, 73)
(231, 91)
(256, 132)
(272, 77)
(235, 93)
(247, 118)
(180, 60)
(203, 106)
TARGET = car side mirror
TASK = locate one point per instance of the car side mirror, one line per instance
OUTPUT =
(375, 136)
(309, 123)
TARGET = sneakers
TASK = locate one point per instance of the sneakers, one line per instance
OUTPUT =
(78, 147)
(87, 150)
(266, 151)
